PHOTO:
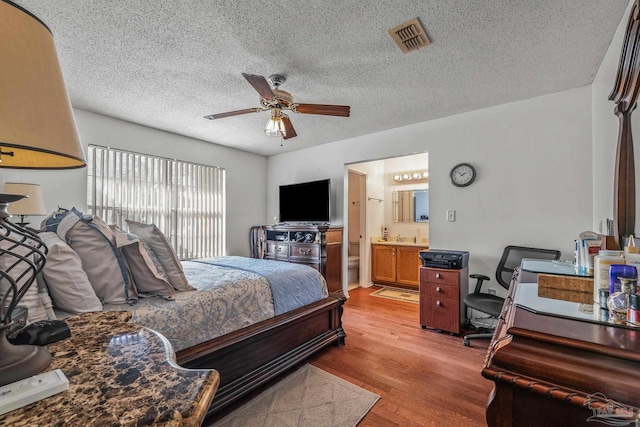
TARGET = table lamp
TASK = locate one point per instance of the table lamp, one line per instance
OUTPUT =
(37, 131)
(32, 204)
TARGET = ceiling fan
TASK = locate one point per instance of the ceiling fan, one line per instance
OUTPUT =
(276, 101)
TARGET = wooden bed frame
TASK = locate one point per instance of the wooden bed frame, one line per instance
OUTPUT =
(249, 357)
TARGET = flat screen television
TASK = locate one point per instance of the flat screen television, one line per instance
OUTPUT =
(306, 202)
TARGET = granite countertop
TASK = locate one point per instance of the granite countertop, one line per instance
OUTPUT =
(395, 243)
(120, 374)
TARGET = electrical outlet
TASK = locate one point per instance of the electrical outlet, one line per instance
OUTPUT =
(492, 291)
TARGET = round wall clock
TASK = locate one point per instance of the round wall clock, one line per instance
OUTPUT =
(462, 175)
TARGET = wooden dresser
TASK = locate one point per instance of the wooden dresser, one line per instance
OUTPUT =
(441, 292)
(317, 246)
(551, 368)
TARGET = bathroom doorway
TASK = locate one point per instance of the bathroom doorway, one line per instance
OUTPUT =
(356, 217)
(372, 190)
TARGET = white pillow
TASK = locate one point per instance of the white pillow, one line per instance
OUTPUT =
(152, 236)
(67, 282)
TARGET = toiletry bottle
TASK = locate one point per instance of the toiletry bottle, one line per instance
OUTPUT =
(616, 271)
(385, 234)
(631, 247)
(602, 263)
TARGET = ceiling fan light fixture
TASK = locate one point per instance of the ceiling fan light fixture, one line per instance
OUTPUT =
(274, 127)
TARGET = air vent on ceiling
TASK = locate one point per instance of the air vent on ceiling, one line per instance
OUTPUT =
(410, 36)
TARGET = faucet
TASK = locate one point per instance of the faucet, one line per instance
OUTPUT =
(398, 238)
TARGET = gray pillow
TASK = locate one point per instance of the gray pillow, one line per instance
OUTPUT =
(148, 274)
(152, 236)
(92, 239)
(67, 282)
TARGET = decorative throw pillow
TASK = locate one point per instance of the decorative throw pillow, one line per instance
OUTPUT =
(67, 282)
(149, 277)
(31, 300)
(92, 239)
(152, 235)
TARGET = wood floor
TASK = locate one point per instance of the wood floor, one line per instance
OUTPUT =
(424, 378)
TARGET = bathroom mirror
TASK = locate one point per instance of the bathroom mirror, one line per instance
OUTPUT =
(410, 205)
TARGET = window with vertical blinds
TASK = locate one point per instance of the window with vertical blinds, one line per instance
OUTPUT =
(186, 201)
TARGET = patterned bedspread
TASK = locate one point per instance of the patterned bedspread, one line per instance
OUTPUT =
(228, 297)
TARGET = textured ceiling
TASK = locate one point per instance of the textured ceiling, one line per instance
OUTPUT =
(168, 63)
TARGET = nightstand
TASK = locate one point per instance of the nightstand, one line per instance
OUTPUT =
(441, 292)
(119, 374)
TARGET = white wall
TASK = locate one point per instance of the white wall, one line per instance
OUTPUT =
(245, 172)
(534, 184)
(605, 131)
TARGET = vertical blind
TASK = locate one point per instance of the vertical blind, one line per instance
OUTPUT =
(186, 201)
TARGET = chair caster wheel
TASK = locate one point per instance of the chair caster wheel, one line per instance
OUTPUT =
(466, 342)
(423, 326)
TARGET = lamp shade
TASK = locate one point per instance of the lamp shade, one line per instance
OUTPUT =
(37, 128)
(274, 127)
(33, 204)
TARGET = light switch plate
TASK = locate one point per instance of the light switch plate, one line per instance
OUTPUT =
(451, 215)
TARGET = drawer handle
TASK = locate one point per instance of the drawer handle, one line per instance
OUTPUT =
(438, 303)
(438, 289)
(437, 275)
(279, 249)
(305, 251)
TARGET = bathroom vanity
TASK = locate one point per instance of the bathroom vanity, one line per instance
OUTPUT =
(396, 263)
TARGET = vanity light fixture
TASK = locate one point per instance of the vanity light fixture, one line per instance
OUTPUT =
(411, 176)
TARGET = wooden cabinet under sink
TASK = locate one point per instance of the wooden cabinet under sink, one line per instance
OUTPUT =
(396, 264)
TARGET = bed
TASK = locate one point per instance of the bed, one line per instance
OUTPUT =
(253, 320)
(249, 319)
(267, 323)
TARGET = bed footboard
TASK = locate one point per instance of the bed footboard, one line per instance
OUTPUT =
(250, 357)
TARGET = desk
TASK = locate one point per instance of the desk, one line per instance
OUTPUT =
(119, 374)
(559, 371)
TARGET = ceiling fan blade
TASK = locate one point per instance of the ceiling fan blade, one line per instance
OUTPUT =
(261, 85)
(289, 131)
(326, 110)
(233, 113)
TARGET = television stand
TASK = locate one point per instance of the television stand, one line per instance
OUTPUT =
(318, 246)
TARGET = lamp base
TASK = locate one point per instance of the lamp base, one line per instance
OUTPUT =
(18, 362)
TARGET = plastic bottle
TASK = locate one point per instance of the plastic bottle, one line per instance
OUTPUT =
(631, 247)
(602, 262)
(616, 271)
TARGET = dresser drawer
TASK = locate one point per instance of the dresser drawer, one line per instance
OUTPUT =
(302, 251)
(277, 250)
(439, 290)
(440, 313)
(439, 276)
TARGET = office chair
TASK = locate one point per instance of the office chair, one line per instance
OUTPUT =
(491, 304)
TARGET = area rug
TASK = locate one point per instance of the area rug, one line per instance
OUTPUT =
(307, 397)
(406, 295)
